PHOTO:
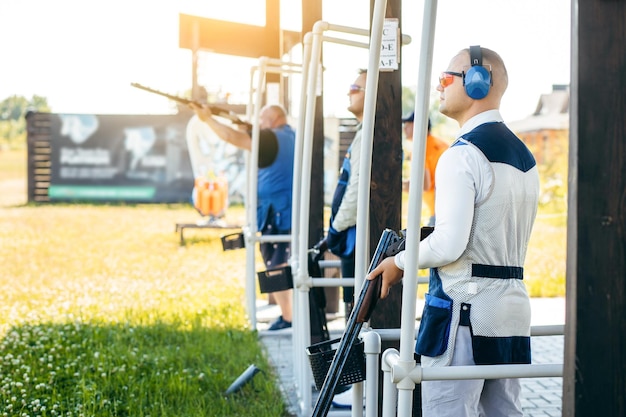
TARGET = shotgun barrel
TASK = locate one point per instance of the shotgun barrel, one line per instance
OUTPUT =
(216, 110)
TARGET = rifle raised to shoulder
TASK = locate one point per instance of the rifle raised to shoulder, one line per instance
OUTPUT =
(216, 110)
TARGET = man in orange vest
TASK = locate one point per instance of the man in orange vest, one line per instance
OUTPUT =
(434, 148)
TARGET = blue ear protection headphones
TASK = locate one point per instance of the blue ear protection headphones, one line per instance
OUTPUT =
(477, 79)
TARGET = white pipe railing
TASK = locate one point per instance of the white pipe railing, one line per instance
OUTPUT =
(418, 374)
(330, 264)
(302, 281)
(395, 334)
(372, 346)
(265, 66)
(302, 328)
(250, 231)
(273, 238)
(361, 250)
(407, 324)
(300, 315)
(332, 282)
(390, 360)
(395, 374)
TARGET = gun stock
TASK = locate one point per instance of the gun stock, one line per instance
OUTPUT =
(216, 110)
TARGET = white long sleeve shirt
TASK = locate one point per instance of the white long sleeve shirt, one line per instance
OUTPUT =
(486, 201)
(346, 215)
(456, 196)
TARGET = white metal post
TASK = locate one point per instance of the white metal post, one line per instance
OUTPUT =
(372, 347)
(304, 142)
(299, 264)
(390, 393)
(266, 65)
(365, 169)
(251, 229)
(305, 190)
(407, 338)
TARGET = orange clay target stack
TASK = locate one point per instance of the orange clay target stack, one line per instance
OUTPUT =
(211, 196)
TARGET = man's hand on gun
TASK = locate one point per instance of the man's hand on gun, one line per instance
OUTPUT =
(204, 113)
(390, 275)
(388, 271)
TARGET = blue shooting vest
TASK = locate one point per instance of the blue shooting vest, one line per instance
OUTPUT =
(275, 183)
(342, 184)
(342, 243)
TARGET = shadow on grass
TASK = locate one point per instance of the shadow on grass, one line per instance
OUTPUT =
(161, 369)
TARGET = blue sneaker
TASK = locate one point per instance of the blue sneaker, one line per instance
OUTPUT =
(280, 324)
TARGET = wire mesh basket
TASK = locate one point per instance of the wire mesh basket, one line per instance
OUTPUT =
(321, 356)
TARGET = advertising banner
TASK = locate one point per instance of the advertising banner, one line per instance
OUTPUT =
(131, 158)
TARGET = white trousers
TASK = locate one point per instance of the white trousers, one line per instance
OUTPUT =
(472, 397)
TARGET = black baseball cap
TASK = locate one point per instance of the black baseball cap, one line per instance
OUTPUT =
(411, 118)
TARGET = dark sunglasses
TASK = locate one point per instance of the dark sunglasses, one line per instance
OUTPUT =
(447, 77)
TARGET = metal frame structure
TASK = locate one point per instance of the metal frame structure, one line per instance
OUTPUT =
(302, 281)
(252, 237)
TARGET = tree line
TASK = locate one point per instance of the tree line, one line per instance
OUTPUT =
(13, 121)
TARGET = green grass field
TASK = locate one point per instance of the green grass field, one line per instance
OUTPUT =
(104, 313)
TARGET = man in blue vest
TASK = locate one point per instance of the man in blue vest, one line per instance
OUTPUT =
(477, 310)
(275, 183)
(342, 231)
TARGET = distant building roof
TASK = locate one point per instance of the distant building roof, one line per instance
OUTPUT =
(552, 112)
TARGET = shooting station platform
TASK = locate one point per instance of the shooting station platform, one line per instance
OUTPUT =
(209, 224)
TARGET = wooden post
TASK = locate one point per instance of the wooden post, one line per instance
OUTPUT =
(594, 379)
(386, 180)
(311, 13)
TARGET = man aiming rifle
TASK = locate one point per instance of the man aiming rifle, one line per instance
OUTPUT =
(215, 110)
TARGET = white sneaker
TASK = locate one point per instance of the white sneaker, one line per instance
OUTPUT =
(344, 400)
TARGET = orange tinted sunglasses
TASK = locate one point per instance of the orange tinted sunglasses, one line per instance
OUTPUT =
(447, 77)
